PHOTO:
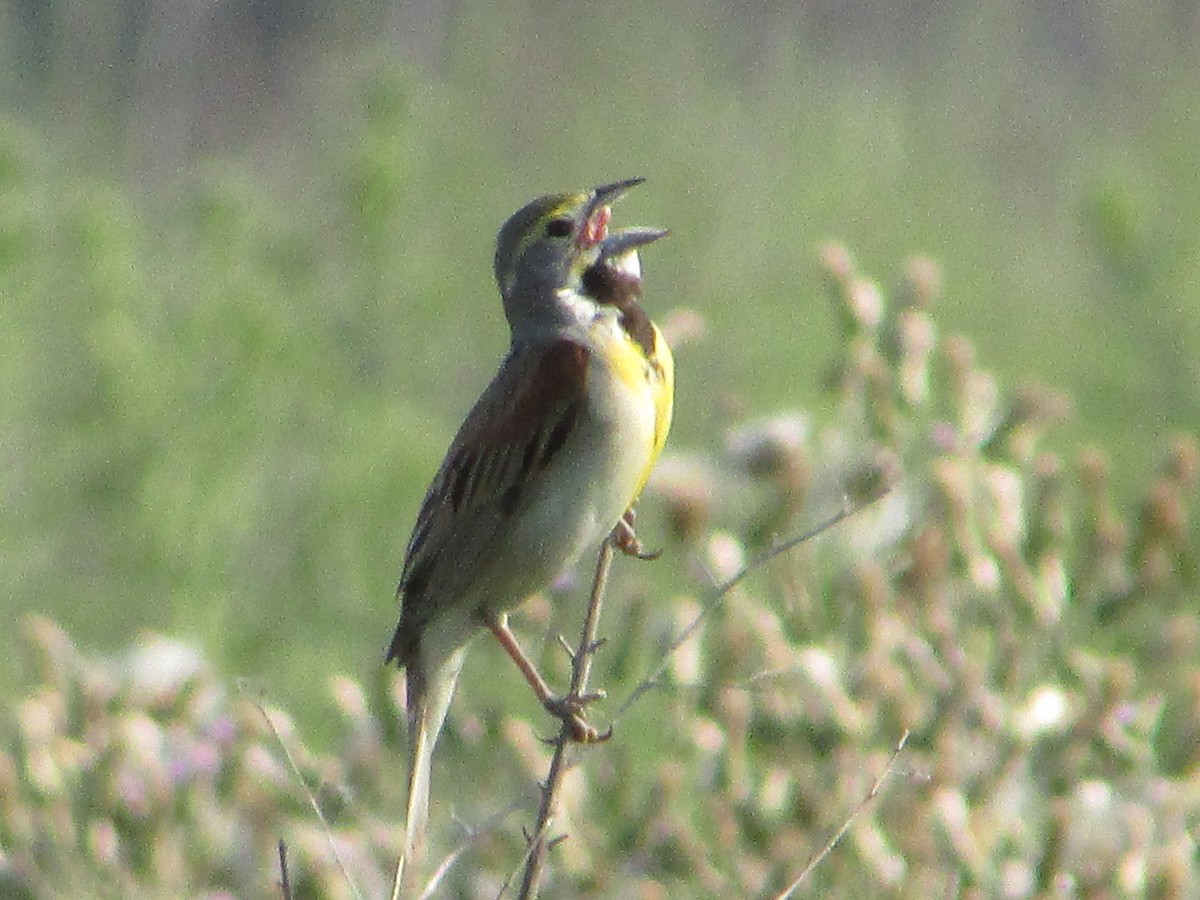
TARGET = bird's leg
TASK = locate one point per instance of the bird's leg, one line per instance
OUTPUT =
(625, 539)
(569, 709)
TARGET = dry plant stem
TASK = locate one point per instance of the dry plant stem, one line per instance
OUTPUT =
(285, 884)
(312, 800)
(845, 826)
(581, 667)
(435, 880)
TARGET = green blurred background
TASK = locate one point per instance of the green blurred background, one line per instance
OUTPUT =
(245, 289)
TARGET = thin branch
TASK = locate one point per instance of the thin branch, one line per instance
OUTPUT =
(581, 668)
(721, 590)
(845, 826)
(285, 884)
(244, 690)
(435, 881)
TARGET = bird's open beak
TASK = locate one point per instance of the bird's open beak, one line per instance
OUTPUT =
(620, 242)
(607, 193)
(598, 213)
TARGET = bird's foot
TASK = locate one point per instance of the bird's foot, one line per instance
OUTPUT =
(625, 539)
(569, 709)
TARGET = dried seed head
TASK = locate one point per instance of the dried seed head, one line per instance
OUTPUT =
(836, 261)
(1049, 711)
(773, 447)
(922, 284)
(1094, 468)
(930, 554)
(864, 302)
(917, 338)
(54, 654)
(726, 556)
(959, 354)
(1164, 514)
(1183, 461)
(873, 477)
(161, 669)
(683, 326)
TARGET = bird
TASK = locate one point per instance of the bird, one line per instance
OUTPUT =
(547, 464)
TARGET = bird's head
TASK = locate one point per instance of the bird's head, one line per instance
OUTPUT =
(546, 246)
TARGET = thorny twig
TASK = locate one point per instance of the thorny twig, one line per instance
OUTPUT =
(581, 667)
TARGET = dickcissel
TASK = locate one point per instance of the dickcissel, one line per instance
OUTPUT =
(548, 462)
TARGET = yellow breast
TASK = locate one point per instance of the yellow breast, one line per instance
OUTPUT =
(647, 379)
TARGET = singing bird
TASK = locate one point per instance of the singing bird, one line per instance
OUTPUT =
(547, 464)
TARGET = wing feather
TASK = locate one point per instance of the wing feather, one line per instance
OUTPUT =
(522, 419)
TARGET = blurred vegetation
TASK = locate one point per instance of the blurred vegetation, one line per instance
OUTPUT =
(245, 290)
(973, 605)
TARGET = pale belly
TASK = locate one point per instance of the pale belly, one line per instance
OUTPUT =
(584, 493)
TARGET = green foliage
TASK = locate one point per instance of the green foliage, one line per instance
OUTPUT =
(191, 420)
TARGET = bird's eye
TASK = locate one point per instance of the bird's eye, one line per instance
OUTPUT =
(558, 227)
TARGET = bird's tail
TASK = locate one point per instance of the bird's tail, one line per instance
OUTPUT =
(427, 703)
